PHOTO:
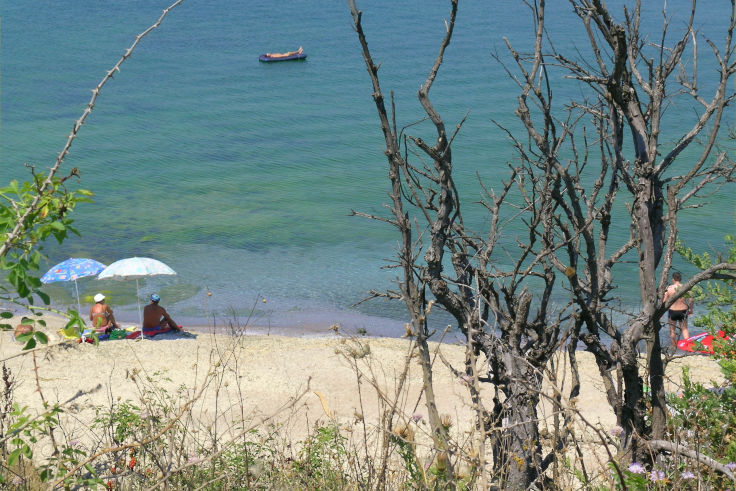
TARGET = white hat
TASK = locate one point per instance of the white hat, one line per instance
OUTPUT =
(99, 297)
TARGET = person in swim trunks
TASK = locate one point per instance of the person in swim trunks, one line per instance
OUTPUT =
(101, 315)
(155, 316)
(679, 310)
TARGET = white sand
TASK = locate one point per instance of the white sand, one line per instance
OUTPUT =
(260, 374)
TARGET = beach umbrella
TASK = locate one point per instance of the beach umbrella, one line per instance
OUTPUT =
(71, 269)
(134, 268)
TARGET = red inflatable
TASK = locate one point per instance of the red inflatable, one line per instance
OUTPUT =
(700, 343)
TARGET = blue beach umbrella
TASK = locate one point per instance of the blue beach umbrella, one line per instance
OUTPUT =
(71, 269)
(134, 268)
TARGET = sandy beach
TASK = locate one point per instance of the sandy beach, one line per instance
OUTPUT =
(291, 381)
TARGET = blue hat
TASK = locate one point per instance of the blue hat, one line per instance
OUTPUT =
(155, 297)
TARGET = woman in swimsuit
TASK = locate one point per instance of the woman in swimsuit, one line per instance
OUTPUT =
(101, 315)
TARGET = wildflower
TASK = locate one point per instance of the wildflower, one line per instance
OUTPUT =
(465, 379)
(656, 476)
(73, 443)
(637, 468)
(417, 417)
(616, 431)
(18, 481)
(687, 475)
(404, 432)
(731, 466)
(194, 460)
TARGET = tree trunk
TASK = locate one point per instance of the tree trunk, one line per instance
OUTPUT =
(633, 410)
(656, 384)
(522, 452)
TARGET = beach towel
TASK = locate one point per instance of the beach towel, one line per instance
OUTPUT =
(149, 333)
(129, 333)
(71, 333)
(700, 343)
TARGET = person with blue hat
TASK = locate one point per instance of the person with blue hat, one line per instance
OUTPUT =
(155, 317)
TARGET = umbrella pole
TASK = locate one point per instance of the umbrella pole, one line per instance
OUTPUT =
(79, 306)
(138, 296)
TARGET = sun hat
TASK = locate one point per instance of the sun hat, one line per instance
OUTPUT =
(155, 297)
(99, 297)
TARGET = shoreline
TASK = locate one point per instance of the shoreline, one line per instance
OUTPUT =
(309, 327)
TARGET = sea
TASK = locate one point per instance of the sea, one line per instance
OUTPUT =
(242, 176)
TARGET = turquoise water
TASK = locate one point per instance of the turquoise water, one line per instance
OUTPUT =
(241, 175)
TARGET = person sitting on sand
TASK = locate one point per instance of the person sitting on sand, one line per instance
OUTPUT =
(284, 55)
(156, 317)
(101, 315)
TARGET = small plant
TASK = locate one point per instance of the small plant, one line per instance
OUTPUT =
(323, 456)
(124, 421)
(403, 438)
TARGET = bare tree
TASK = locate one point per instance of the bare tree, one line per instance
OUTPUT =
(632, 81)
(576, 164)
(441, 260)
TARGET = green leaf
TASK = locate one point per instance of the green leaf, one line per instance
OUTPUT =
(13, 457)
(23, 338)
(23, 290)
(6, 315)
(30, 344)
(41, 337)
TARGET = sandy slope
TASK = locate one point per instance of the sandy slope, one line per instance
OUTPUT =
(258, 375)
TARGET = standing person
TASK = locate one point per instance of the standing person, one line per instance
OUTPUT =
(679, 310)
(155, 316)
(101, 315)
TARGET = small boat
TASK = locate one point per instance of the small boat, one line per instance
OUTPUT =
(296, 56)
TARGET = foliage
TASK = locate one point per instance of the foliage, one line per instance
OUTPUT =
(123, 421)
(28, 217)
(705, 418)
(31, 338)
(323, 456)
(24, 434)
(403, 438)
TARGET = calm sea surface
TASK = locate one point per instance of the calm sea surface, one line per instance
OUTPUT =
(241, 175)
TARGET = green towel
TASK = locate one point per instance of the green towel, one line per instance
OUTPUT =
(118, 334)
